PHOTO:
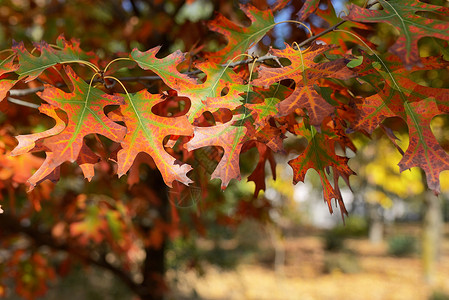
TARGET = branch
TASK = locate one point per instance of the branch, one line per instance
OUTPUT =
(24, 92)
(23, 103)
(312, 38)
(13, 225)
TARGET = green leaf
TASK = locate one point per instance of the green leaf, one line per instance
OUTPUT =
(240, 39)
(355, 62)
(32, 66)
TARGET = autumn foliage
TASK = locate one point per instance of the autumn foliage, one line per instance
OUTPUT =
(324, 88)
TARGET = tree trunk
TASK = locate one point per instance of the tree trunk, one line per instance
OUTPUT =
(153, 286)
(431, 235)
(376, 224)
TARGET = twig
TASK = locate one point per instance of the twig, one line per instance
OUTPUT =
(24, 92)
(312, 38)
(22, 103)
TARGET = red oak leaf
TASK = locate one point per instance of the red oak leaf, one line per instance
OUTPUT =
(5, 86)
(146, 133)
(239, 38)
(7, 65)
(416, 105)
(258, 175)
(204, 96)
(320, 155)
(230, 136)
(32, 66)
(306, 73)
(85, 110)
(27, 143)
(412, 26)
(423, 150)
(164, 68)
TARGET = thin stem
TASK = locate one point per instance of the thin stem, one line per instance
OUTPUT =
(230, 64)
(22, 103)
(113, 61)
(6, 50)
(312, 38)
(245, 109)
(87, 63)
(8, 58)
(297, 22)
(117, 80)
(23, 92)
(55, 46)
(374, 53)
(148, 78)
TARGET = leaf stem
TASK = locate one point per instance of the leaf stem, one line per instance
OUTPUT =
(113, 61)
(123, 86)
(312, 38)
(378, 57)
(245, 109)
(84, 62)
(7, 58)
(56, 46)
(6, 50)
(296, 22)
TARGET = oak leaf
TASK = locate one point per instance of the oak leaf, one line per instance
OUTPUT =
(320, 155)
(7, 65)
(146, 133)
(5, 86)
(85, 111)
(204, 96)
(230, 136)
(306, 73)
(31, 66)
(403, 15)
(416, 105)
(239, 38)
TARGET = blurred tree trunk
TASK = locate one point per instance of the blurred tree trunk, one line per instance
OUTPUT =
(431, 235)
(153, 286)
(376, 223)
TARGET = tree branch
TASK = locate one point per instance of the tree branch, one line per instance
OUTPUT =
(11, 224)
(24, 92)
(22, 103)
(312, 38)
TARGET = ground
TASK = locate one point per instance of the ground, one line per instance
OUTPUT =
(359, 271)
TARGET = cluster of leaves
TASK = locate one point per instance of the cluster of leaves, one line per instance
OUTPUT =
(235, 105)
(208, 107)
